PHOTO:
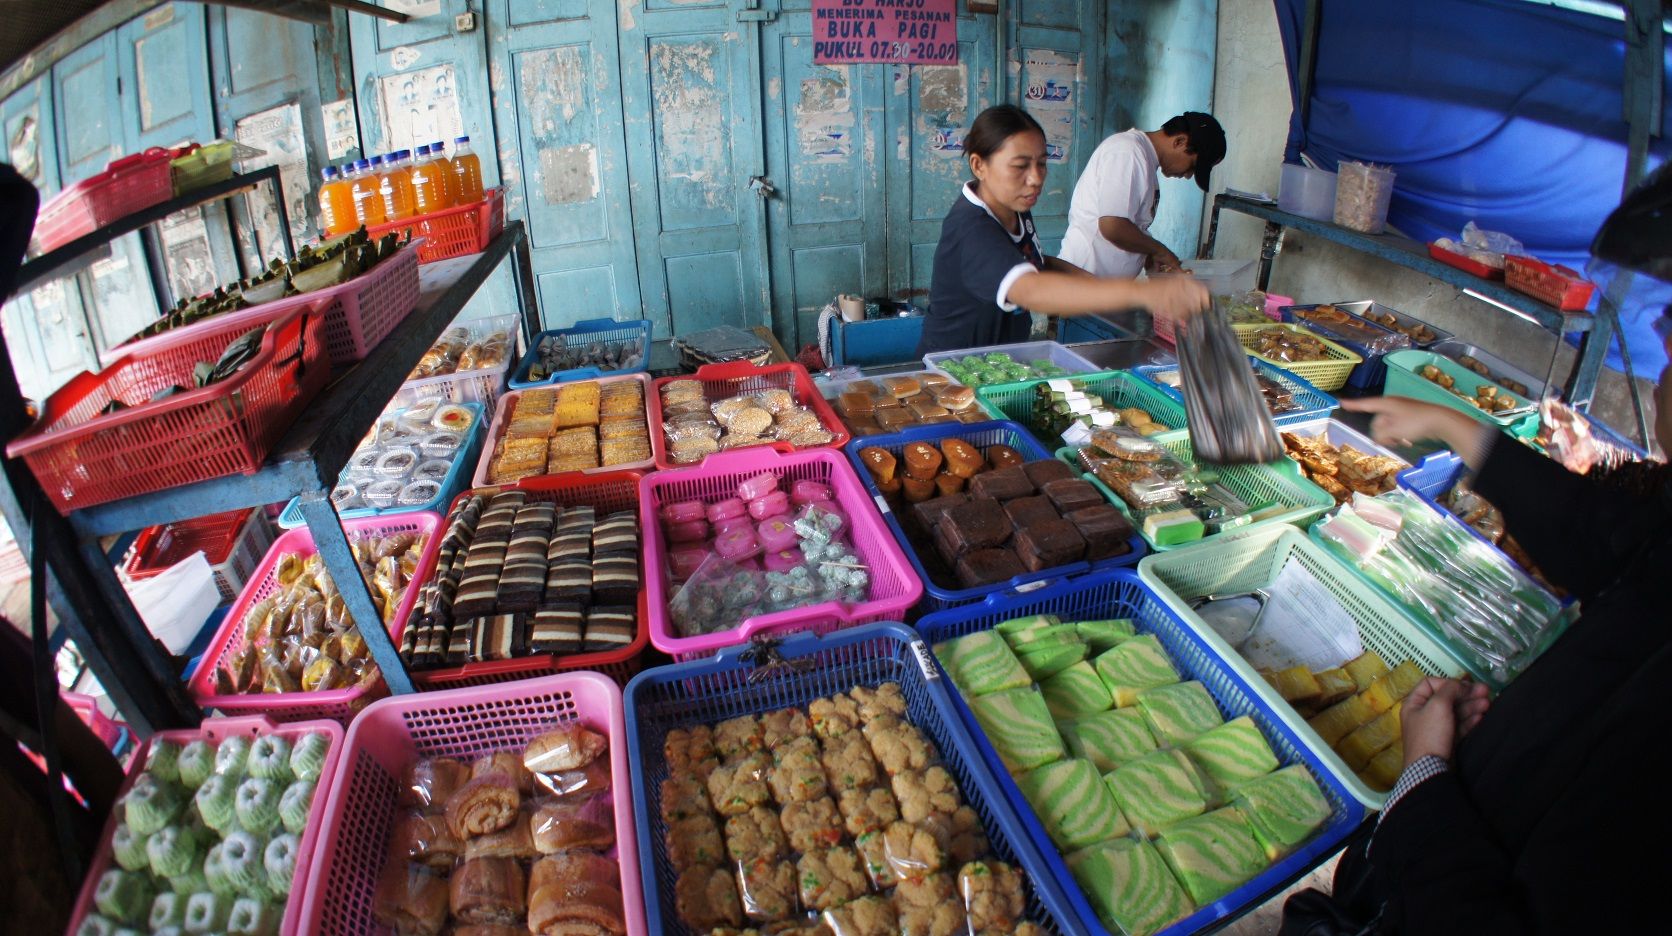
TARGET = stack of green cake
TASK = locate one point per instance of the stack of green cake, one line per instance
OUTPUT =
(1158, 804)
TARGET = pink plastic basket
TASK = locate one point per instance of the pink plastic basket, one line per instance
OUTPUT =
(894, 586)
(130, 184)
(463, 723)
(358, 314)
(502, 415)
(83, 456)
(337, 704)
(218, 730)
(104, 727)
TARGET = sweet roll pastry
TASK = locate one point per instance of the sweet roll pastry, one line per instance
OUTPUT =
(411, 899)
(486, 804)
(488, 890)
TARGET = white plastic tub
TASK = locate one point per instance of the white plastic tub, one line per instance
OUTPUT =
(1307, 192)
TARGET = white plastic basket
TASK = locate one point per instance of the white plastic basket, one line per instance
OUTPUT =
(483, 385)
(1052, 351)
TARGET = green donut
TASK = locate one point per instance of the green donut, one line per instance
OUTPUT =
(217, 802)
(207, 913)
(189, 883)
(195, 763)
(270, 758)
(95, 925)
(233, 755)
(173, 851)
(214, 871)
(151, 804)
(129, 849)
(252, 917)
(307, 757)
(167, 910)
(294, 805)
(241, 857)
(279, 860)
(124, 896)
(258, 805)
(164, 761)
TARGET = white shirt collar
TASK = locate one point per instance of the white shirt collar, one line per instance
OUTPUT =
(974, 199)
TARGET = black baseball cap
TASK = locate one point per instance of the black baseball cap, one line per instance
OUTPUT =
(1207, 138)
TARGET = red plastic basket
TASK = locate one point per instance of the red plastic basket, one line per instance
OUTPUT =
(130, 184)
(895, 586)
(607, 493)
(453, 232)
(84, 458)
(502, 414)
(358, 314)
(336, 704)
(233, 542)
(218, 730)
(1558, 285)
(720, 381)
(1464, 262)
(463, 723)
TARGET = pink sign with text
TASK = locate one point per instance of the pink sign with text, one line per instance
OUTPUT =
(912, 32)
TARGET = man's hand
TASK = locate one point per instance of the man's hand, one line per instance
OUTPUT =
(1436, 714)
(1165, 261)
(1471, 708)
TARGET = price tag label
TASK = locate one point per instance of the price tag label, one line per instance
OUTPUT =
(925, 660)
(882, 505)
(1032, 586)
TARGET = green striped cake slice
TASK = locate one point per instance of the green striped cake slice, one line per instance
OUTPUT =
(1232, 754)
(1020, 728)
(1075, 691)
(1109, 739)
(1073, 803)
(1057, 635)
(1128, 884)
(1160, 789)
(1105, 635)
(1022, 629)
(1179, 712)
(1212, 855)
(981, 663)
(1134, 666)
(1046, 662)
(1283, 808)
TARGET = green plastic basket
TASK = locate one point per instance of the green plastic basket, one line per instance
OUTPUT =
(1119, 389)
(1405, 379)
(1326, 375)
(1248, 563)
(1280, 482)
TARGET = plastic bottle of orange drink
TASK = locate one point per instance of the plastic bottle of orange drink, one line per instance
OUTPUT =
(368, 197)
(396, 187)
(444, 172)
(467, 168)
(336, 203)
(429, 187)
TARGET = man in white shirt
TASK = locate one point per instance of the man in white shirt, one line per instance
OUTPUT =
(1116, 197)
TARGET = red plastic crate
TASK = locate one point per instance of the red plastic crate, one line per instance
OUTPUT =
(83, 458)
(453, 232)
(130, 184)
(1557, 285)
(339, 705)
(1464, 262)
(359, 314)
(232, 542)
(720, 381)
(606, 492)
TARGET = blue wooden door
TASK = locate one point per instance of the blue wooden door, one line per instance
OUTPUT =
(165, 78)
(87, 107)
(826, 149)
(1055, 46)
(690, 83)
(558, 111)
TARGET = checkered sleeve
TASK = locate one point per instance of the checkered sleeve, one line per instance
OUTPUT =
(1424, 769)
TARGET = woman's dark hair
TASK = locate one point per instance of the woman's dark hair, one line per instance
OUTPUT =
(995, 125)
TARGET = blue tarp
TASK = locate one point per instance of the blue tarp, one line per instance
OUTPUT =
(1503, 112)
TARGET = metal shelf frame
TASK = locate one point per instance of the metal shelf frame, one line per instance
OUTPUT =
(1596, 331)
(304, 464)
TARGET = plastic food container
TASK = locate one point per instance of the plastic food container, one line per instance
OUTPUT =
(1120, 593)
(1327, 374)
(1560, 286)
(1498, 369)
(128, 185)
(1119, 389)
(482, 385)
(1225, 277)
(736, 683)
(1464, 262)
(1245, 564)
(1307, 192)
(1362, 195)
(232, 542)
(1021, 352)
(360, 810)
(502, 416)
(1405, 379)
(720, 381)
(452, 232)
(1338, 433)
(202, 165)
(608, 331)
(895, 586)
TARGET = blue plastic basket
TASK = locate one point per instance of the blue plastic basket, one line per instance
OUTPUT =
(980, 435)
(458, 477)
(734, 683)
(1366, 377)
(1314, 403)
(582, 333)
(1113, 593)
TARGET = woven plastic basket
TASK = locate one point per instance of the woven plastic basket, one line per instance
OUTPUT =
(1115, 593)
(360, 809)
(218, 730)
(1022, 352)
(452, 232)
(1279, 482)
(936, 595)
(84, 456)
(337, 704)
(1250, 563)
(581, 334)
(1313, 402)
(733, 683)
(502, 416)
(1405, 379)
(720, 381)
(232, 542)
(127, 185)
(1119, 389)
(1328, 374)
(482, 385)
(895, 585)
(606, 493)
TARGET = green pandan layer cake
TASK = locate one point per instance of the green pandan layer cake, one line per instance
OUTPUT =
(1109, 739)
(1159, 790)
(1023, 629)
(1129, 885)
(1212, 855)
(1075, 691)
(1044, 663)
(1132, 667)
(1283, 809)
(1233, 753)
(1179, 712)
(1020, 728)
(1106, 635)
(1073, 802)
(981, 663)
